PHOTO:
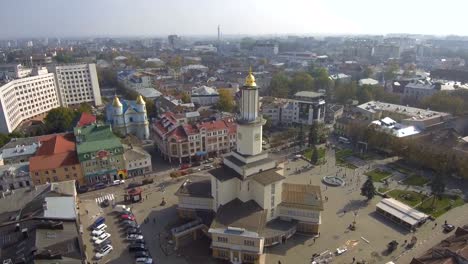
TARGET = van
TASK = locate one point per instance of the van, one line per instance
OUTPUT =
(121, 208)
(98, 222)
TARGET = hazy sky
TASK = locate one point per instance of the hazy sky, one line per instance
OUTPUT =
(35, 18)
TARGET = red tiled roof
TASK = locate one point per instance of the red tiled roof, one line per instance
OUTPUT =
(190, 129)
(178, 133)
(213, 125)
(54, 152)
(86, 119)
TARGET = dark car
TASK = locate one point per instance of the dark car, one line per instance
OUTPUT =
(147, 181)
(131, 224)
(139, 241)
(136, 247)
(82, 189)
(105, 203)
(134, 244)
(99, 186)
(133, 231)
(142, 254)
(106, 242)
(448, 228)
(133, 185)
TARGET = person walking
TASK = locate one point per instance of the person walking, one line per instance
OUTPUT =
(354, 259)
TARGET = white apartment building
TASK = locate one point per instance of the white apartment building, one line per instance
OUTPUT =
(204, 95)
(78, 83)
(27, 98)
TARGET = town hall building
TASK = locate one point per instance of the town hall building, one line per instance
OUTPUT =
(253, 206)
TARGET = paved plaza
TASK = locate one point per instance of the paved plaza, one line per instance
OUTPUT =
(343, 206)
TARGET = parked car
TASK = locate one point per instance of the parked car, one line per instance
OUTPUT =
(127, 217)
(105, 203)
(142, 254)
(135, 248)
(103, 244)
(133, 231)
(82, 189)
(128, 223)
(98, 233)
(133, 185)
(134, 237)
(143, 261)
(341, 250)
(99, 186)
(184, 166)
(448, 228)
(103, 251)
(102, 236)
(147, 181)
(208, 166)
(140, 240)
(100, 220)
(100, 241)
(118, 182)
(134, 225)
(133, 244)
(98, 229)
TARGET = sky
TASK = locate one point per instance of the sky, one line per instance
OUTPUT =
(78, 18)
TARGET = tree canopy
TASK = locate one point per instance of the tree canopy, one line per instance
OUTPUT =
(59, 119)
(455, 102)
(368, 189)
(226, 101)
(279, 85)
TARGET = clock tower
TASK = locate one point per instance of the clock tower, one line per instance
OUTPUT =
(249, 123)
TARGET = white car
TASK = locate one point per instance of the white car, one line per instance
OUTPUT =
(102, 234)
(99, 230)
(341, 250)
(117, 182)
(102, 239)
(133, 237)
(103, 252)
(144, 261)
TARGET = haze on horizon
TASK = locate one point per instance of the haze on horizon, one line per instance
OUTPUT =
(66, 18)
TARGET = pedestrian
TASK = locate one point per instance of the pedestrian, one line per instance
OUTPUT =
(354, 259)
(405, 241)
(344, 212)
(279, 261)
(435, 225)
(154, 220)
(314, 239)
(445, 222)
(87, 211)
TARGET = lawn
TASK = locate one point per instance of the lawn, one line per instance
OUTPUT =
(340, 157)
(378, 175)
(410, 198)
(400, 168)
(308, 153)
(441, 206)
(415, 180)
(382, 189)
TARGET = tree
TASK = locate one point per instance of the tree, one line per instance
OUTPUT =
(279, 85)
(321, 78)
(437, 187)
(59, 119)
(368, 189)
(391, 70)
(226, 101)
(314, 134)
(185, 98)
(301, 81)
(315, 155)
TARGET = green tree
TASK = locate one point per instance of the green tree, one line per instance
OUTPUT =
(437, 187)
(301, 81)
(364, 94)
(315, 155)
(321, 78)
(279, 85)
(314, 134)
(185, 98)
(59, 119)
(368, 189)
(391, 70)
(445, 102)
(226, 101)
(368, 72)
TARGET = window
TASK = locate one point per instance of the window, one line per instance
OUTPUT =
(66, 169)
(249, 243)
(273, 188)
(55, 178)
(54, 171)
(222, 239)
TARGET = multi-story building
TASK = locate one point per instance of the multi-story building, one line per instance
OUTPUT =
(307, 108)
(14, 176)
(253, 206)
(100, 153)
(204, 95)
(78, 83)
(184, 142)
(386, 51)
(137, 161)
(129, 117)
(27, 98)
(56, 161)
(265, 49)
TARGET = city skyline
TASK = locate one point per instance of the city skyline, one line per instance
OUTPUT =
(54, 18)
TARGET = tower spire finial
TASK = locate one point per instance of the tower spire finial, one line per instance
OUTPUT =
(250, 79)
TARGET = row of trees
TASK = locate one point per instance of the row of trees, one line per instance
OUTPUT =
(63, 119)
(455, 102)
(343, 92)
(283, 86)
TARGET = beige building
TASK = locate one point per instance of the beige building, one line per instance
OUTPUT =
(252, 206)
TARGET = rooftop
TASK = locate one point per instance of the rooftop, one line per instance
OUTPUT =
(401, 211)
(135, 153)
(411, 112)
(54, 153)
(196, 186)
(248, 215)
(60, 208)
(308, 94)
(302, 196)
(95, 137)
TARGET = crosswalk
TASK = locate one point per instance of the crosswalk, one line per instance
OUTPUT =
(109, 197)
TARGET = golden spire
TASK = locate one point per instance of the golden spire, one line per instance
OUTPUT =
(116, 102)
(140, 100)
(250, 79)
